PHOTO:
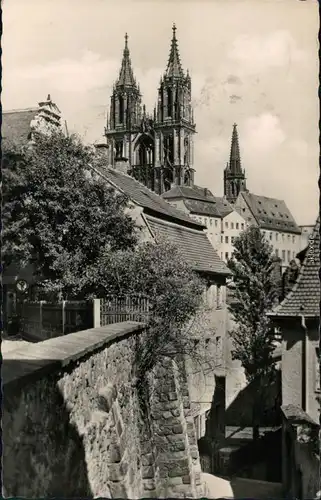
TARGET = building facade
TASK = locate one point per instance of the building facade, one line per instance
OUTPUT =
(223, 223)
(158, 147)
(298, 320)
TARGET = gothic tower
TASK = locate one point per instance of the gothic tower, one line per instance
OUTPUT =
(125, 112)
(174, 125)
(234, 176)
(157, 150)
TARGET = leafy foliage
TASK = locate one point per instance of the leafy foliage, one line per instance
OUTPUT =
(57, 215)
(255, 292)
(159, 272)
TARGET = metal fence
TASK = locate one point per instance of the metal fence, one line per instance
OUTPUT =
(43, 320)
(116, 309)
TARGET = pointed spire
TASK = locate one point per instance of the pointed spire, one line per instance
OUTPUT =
(235, 157)
(174, 68)
(126, 76)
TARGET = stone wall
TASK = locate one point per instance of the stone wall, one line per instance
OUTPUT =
(74, 425)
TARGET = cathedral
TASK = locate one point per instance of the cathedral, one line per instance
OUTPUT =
(157, 148)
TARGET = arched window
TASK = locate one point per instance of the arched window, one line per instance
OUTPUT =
(169, 102)
(121, 109)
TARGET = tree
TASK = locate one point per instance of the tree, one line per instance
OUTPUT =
(75, 230)
(57, 215)
(255, 292)
(158, 271)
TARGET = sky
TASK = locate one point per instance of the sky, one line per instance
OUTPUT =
(253, 62)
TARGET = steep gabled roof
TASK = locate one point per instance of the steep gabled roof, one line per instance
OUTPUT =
(15, 128)
(146, 198)
(304, 298)
(193, 244)
(271, 213)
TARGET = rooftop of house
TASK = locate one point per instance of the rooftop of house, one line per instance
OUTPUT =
(15, 127)
(17, 123)
(271, 213)
(304, 298)
(195, 247)
(150, 201)
(166, 221)
(199, 200)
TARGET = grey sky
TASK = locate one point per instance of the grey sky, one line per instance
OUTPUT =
(251, 62)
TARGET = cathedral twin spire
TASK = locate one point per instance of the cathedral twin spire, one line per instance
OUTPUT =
(174, 67)
(126, 75)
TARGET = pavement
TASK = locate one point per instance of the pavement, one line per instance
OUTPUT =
(238, 487)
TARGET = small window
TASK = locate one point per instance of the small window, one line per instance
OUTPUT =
(271, 236)
(293, 254)
(215, 222)
(293, 239)
(317, 371)
(232, 239)
(211, 222)
(232, 225)
(221, 239)
(242, 226)
(237, 225)
(289, 237)
(276, 252)
(283, 237)
(283, 255)
(226, 224)
(221, 255)
(218, 296)
(226, 239)
(226, 255)
(218, 350)
(289, 255)
(276, 236)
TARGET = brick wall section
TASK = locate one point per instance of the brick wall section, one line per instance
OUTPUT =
(73, 425)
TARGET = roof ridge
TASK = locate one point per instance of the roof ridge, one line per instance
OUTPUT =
(174, 209)
(20, 110)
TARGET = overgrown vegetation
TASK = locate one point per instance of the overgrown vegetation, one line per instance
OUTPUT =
(255, 292)
(75, 230)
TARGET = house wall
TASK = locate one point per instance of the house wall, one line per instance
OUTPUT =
(208, 361)
(286, 245)
(232, 226)
(299, 354)
(292, 369)
(306, 232)
(313, 375)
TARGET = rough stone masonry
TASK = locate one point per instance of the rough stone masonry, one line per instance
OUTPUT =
(73, 425)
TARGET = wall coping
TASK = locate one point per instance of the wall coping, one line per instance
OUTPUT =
(29, 363)
(295, 415)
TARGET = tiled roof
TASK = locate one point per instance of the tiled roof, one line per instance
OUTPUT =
(202, 208)
(190, 192)
(15, 127)
(193, 244)
(223, 206)
(144, 197)
(271, 213)
(304, 298)
(199, 200)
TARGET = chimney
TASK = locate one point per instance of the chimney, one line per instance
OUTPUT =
(121, 164)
